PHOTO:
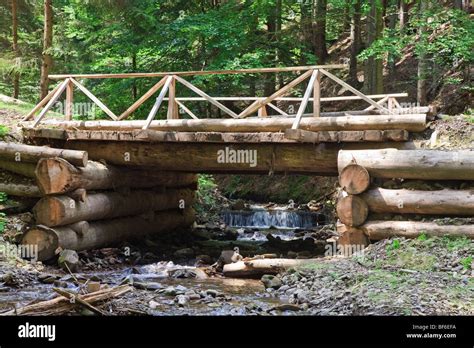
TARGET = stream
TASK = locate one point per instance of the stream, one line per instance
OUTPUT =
(168, 288)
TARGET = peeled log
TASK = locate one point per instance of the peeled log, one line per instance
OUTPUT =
(103, 233)
(354, 179)
(63, 210)
(442, 202)
(412, 164)
(352, 210)
(32, 154)
(25, 169)
(257, 268)
(55, 175)
(413, 122)
(21, 190)
(204, 157)
(377, 230)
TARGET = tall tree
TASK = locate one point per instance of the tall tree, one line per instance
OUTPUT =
(47, 59)
(373, 77)
(422, 59)
(355, 43)
(402, 13)
(16, 51)
(320, 11)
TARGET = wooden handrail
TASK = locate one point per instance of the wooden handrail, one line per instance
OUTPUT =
(197, 72)
(297, 99)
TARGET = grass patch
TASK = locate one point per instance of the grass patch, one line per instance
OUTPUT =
(466, 262)
(20, 108)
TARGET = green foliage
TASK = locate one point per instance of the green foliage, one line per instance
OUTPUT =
(394, 245)
(157, 35)
(206, 194)
(467, 262)
(3, 131)
(422, 237)
(3, 222)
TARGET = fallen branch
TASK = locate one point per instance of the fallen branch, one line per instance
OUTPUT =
(61, 305)
(74, 298)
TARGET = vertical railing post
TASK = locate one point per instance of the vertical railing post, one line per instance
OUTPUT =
(173, 112)
(390, 103)
(317, 96)
(69, 101)
(262, 112)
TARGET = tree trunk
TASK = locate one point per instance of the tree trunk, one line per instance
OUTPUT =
(443, 202)
(421, 89)
(306, 25)
(257, 268)
(412, 164)
(403, 14)
(352, 210)
(32, 154)
(61, 210)
(55, 175)
(355, 43)
(16, 51)
(391, 24)
(20, 190)
(373, 81)
(409, 122)
(320, 31)
(47, 61)
(104, 233)
(377, 230)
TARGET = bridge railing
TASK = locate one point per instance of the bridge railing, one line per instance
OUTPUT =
(167, 92)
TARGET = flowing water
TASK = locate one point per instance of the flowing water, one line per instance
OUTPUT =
(257, 222)
(159, 288)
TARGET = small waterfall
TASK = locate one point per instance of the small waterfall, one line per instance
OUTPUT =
(272, 218)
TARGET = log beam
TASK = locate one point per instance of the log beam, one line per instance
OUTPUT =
(32, 154)
(414, 122)
(377, 230)
(103, 233)
(413, 164)
(218, 158)
(55, 175)
(441, 202)
(62, 210)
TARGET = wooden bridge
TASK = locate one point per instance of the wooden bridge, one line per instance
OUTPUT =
(153, 160)
(298, 142)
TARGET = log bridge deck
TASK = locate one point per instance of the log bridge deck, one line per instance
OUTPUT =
(301, 142)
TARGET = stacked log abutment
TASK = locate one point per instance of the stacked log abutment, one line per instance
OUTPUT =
(80, 204)
(405, 193)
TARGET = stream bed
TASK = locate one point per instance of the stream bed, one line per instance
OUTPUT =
(184, 286)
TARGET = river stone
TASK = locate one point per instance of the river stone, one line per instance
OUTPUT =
(69, 259)
(204, 259)
(271, 281)
(153, 304)
(212, 292)
(182, 300)
(184, 253)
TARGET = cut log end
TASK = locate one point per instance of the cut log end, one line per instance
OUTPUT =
(44, 238)
(54, 175)
(352, 210)
(354, 179)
